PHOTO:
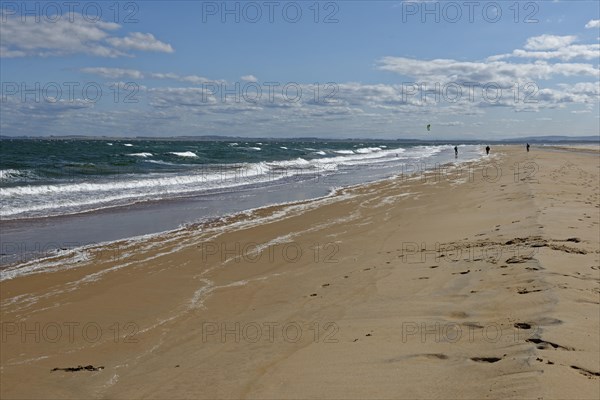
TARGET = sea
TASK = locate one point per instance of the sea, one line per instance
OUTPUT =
(64, 193)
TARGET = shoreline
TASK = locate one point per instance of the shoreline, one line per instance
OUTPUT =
(379, 280)
(142, 208)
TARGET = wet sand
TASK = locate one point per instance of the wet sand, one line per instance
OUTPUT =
(478, 283)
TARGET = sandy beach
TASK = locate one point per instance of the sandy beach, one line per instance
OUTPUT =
(473, 282)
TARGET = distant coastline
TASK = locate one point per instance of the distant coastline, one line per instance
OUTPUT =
(528, 139)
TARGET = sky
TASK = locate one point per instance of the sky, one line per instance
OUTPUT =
(281, 69)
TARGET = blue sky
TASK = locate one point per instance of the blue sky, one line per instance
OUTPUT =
(383, 69)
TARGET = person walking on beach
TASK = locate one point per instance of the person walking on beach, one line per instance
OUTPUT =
(455, 151)
(487, 150)
(528, 147)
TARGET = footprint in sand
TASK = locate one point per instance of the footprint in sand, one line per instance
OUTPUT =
(525, 291)
(486, 359)
(585, 372)
(544, 345)
(522, 325)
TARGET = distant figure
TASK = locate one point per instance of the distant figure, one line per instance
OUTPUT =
(487, 150)
(455, 151)
(528, 147)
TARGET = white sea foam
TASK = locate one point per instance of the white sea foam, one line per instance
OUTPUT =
(188, 154)
(9, 173)
(26, 201)
(162, 162)
(141, 154)
(367, 150)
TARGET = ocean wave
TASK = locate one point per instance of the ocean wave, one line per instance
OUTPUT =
(56, 199)
(141, 154)
(298, 162)
(9, 173)
(128, 145)
(160, 162)
(187, 154)
(367, 150)
(343, 151)
(25, 201)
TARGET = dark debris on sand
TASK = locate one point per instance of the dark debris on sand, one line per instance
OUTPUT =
(78, 368)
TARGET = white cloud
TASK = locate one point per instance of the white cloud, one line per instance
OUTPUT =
(193, 79)
(72, 35)
(498, 72)
(594, 23)
(113, 73)
(548, 47)
(548, 42)
(140, 41)
(585, 51)
(249, 78)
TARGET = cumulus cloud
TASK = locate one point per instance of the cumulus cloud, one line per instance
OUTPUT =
(548, 42)
(469, 72)
(452, 90)
(548, 47)
(71, 34)
(594, 23)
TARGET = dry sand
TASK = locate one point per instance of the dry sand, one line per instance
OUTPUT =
(478, 284)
